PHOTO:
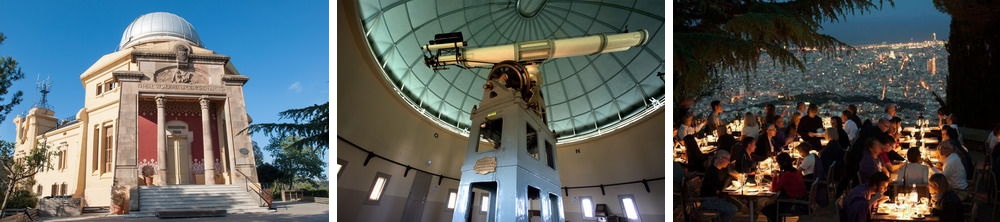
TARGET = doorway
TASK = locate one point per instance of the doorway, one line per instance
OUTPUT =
(178, 150)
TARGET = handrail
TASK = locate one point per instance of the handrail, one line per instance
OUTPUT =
(257, 188)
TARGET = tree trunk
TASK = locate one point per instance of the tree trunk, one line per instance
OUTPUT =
(974, 64)
(6, 196)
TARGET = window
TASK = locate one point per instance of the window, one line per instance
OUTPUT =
(63, 189)
(492, 131)
(100, 88)
(39, 190)
(110, 85)
(106, 143)
(340, 166)
(555, 205)
(484, 205)
(587, 206)
(452, 198)
(96, 149)
(378, 185)
(55, 190)
(532, 141)
(628, 206)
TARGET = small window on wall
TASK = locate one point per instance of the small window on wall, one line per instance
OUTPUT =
(484, 204)
(492, 132)
(55, 190)
(532, 141)
(629, 207)
(452, 198)
(340, 166)
(587, 206)
(100, 89)
(377, 188)
(40, 190)
(63, 189)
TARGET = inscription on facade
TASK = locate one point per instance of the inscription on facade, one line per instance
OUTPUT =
(182, 87)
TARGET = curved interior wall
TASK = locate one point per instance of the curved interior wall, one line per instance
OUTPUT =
(369, 115)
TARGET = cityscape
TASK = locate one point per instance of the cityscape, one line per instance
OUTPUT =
(908, 74)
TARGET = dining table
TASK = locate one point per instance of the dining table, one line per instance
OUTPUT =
(751, 192)
(904, 210)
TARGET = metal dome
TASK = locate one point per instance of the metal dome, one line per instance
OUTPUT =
(586, 96)
(158, 26)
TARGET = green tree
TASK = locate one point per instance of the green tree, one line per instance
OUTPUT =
(972, 61)
(296, 163)
(19, 166)
(9, 72)
(717, 36)
(310, 124)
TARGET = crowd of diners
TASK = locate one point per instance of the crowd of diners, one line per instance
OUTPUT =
(860, 159)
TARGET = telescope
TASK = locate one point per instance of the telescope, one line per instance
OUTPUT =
(515, 65)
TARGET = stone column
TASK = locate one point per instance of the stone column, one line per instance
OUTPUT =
(206, 133)
(161, 140)
(125, 170)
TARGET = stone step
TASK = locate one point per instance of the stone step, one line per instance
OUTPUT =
(192, 195)
(192, 198)
(190, 213)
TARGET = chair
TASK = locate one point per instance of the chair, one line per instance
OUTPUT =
(810, 204)
(692, 204)
(831, 183)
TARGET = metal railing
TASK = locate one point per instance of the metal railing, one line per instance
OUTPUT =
(258, 188)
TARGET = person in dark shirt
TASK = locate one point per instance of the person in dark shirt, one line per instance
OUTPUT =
(864, 198)
(716, 179)
(790, 184)
(746, 162)
(809, 125)
(870, 164)
(769, 114)
(695, 159)
(832, 152)
(766, 144)
(947, 205)
(838, 124)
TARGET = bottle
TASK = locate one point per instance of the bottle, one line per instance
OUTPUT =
(913, 194)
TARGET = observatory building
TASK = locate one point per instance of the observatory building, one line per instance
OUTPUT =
(162, 117)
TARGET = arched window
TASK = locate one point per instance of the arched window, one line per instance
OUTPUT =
(63, 189)
(55, 189)
(39, 190)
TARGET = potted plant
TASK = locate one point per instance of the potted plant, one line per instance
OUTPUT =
(147, 175)
(119, 199)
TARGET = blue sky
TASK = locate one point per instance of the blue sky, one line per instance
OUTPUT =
(908, 20)
(283, 48)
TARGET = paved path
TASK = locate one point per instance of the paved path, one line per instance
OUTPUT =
(292, 211)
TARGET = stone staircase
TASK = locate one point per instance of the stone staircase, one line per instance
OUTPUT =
(179, 198)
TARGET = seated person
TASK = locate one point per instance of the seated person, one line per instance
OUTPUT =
(716, 179)
(953, 168)
(695, 158)
(809, 159)
(767, 144)
(832, 152)
(863, 199)
(689, 128)
(913, 172)
(727, 142)
(870, 164)
(751, 127)
(746, 162)
(947, 205)
(791, 185)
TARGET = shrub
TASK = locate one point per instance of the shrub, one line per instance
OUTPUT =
(22, 199)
